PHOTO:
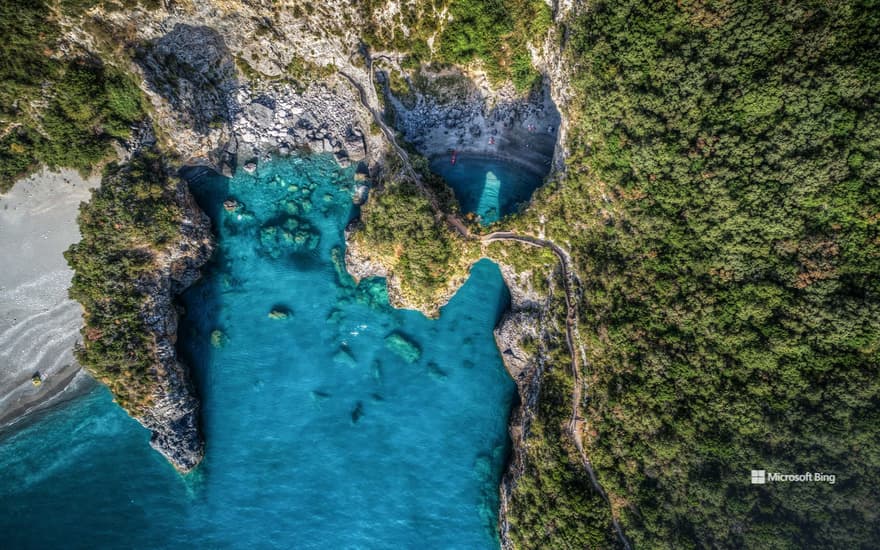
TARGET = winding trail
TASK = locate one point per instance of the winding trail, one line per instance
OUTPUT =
(570, 281)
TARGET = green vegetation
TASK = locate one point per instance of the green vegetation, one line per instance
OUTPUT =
(553, 504)
(722, 206)
(58, 112)
(129, 221)
(497, 32)
(400, 230)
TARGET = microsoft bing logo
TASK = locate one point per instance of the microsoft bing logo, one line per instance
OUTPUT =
(759, 477)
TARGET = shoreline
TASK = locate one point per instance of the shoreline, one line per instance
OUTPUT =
(39, 323)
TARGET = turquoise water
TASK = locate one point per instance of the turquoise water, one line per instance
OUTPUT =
(488, 187)
(322, 432)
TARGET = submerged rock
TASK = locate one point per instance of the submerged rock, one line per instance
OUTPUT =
(337, 256)
(345, 357)
(435, 372)
(376, 370)
(372, 292)
(357, 412)
(318, 395)
(404, 348)
(280, 313)
(218, 339)
(290, 235)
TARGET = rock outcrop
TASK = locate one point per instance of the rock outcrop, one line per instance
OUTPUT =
(519, 329)
(173, 413)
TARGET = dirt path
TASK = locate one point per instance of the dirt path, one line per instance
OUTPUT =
(570, 282)
(371, 103)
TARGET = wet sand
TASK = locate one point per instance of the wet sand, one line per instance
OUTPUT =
(39, 324)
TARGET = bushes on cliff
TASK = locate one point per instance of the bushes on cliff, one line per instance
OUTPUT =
(723, 184)
(58, 112)
(498, 32)
(554, 505)
(495, 31)
(401, 230)
(128, 219)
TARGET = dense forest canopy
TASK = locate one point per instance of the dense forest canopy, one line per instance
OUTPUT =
(722, 203)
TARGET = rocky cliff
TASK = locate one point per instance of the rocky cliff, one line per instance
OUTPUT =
(144, 239)
(172, 414)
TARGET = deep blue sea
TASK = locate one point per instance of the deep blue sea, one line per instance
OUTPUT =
(332, 420)
(485, 186)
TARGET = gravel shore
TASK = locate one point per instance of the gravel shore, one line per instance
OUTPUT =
(39, 324)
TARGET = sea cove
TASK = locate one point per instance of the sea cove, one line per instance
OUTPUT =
(331, 419)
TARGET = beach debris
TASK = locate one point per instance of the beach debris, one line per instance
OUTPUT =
(404, 348)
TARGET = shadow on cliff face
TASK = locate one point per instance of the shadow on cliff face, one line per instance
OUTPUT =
(441, 109)
(192, 68)
(493, 151)
(200, 313)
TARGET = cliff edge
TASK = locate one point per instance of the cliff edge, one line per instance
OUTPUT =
(144, 240)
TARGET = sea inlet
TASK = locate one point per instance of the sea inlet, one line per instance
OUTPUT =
(332, 420)
(487, 186)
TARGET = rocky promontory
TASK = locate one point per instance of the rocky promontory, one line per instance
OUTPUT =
(144, 239)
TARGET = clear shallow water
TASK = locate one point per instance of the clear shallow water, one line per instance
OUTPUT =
(488, 187)
(319, 435)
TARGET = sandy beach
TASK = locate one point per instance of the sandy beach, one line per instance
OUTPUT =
(39, 324)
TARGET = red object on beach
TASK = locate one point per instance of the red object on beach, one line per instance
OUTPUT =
(491, 141)
(453, 156)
